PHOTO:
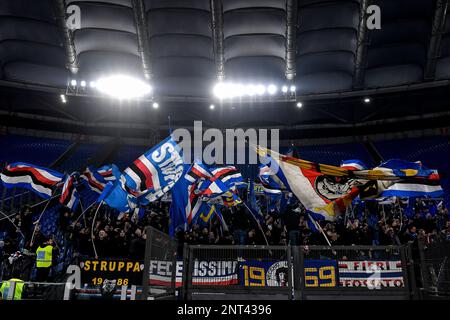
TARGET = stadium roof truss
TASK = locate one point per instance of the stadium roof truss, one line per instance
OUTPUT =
(183, 48)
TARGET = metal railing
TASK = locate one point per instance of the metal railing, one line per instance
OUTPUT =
(238, 270)
(160, 266)
(435, 267)
(300, 272)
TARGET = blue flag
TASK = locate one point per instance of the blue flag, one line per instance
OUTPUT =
(156, 171)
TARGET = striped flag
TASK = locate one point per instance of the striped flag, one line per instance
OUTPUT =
(156, 171)
(417, 181)
(93, 179)
(69, 195)
(106, 172)
(35, 178)
(354, 164)
(221, 181)
(186, 199)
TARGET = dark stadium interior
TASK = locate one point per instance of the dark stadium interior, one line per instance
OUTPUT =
(359, 93)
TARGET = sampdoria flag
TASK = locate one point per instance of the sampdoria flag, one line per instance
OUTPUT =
(222, 180)
(35, 178)
(271, 184)
(156, 171)
(186, 198)
(418, 181)
(327, 196)
(94, 180)
(354, 164)
(107, 172)
(115, 196)
(69, 195)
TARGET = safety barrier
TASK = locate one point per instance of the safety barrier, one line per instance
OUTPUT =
(160, 266)
(306, 272)
(258, 272)
(434, 266)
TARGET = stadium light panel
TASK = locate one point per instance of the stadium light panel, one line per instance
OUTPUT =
(367, 100)
(83, 83)
(73, 83)
(155, 105)
(292, 88)
(284, 89)
(123, 87)
(63, 98)
(272, 89)
(211, 107)
(220, 90)
(299, 104)
(260, 89)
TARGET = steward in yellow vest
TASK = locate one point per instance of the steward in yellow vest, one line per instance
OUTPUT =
(6, 286)
(44, 260)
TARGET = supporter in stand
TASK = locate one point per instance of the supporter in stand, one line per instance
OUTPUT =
(123, 235)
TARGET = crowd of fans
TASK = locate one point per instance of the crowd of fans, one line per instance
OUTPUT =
(124, 236)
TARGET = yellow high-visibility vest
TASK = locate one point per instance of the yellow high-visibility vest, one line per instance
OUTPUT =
(44, 257)
(4, 289)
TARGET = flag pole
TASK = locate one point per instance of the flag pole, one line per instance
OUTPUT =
(92, 230)
(39, 220)
(83, 213)
(9, 219)
(320, 229)
(259, 225)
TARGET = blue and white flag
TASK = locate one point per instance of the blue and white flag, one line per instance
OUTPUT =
(271, 184)
(423, 182)
(186, 199)
(115, 196)
(222, 180)
(69, 194)
(35, 178)
(156, 171)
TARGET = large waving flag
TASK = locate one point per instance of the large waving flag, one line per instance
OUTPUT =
(186, 198)
(156, 171)
(69, 195)
(35, 178)
(418, 180)
(326, 196)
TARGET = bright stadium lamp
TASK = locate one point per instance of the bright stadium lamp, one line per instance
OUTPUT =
(284, 89)
(220, 90)
(211, 107)
(260, 89)
(155, 105)
(272, 89)
(250, 90)
(123, 87)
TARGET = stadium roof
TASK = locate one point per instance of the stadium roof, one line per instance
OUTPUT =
(185, 47)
